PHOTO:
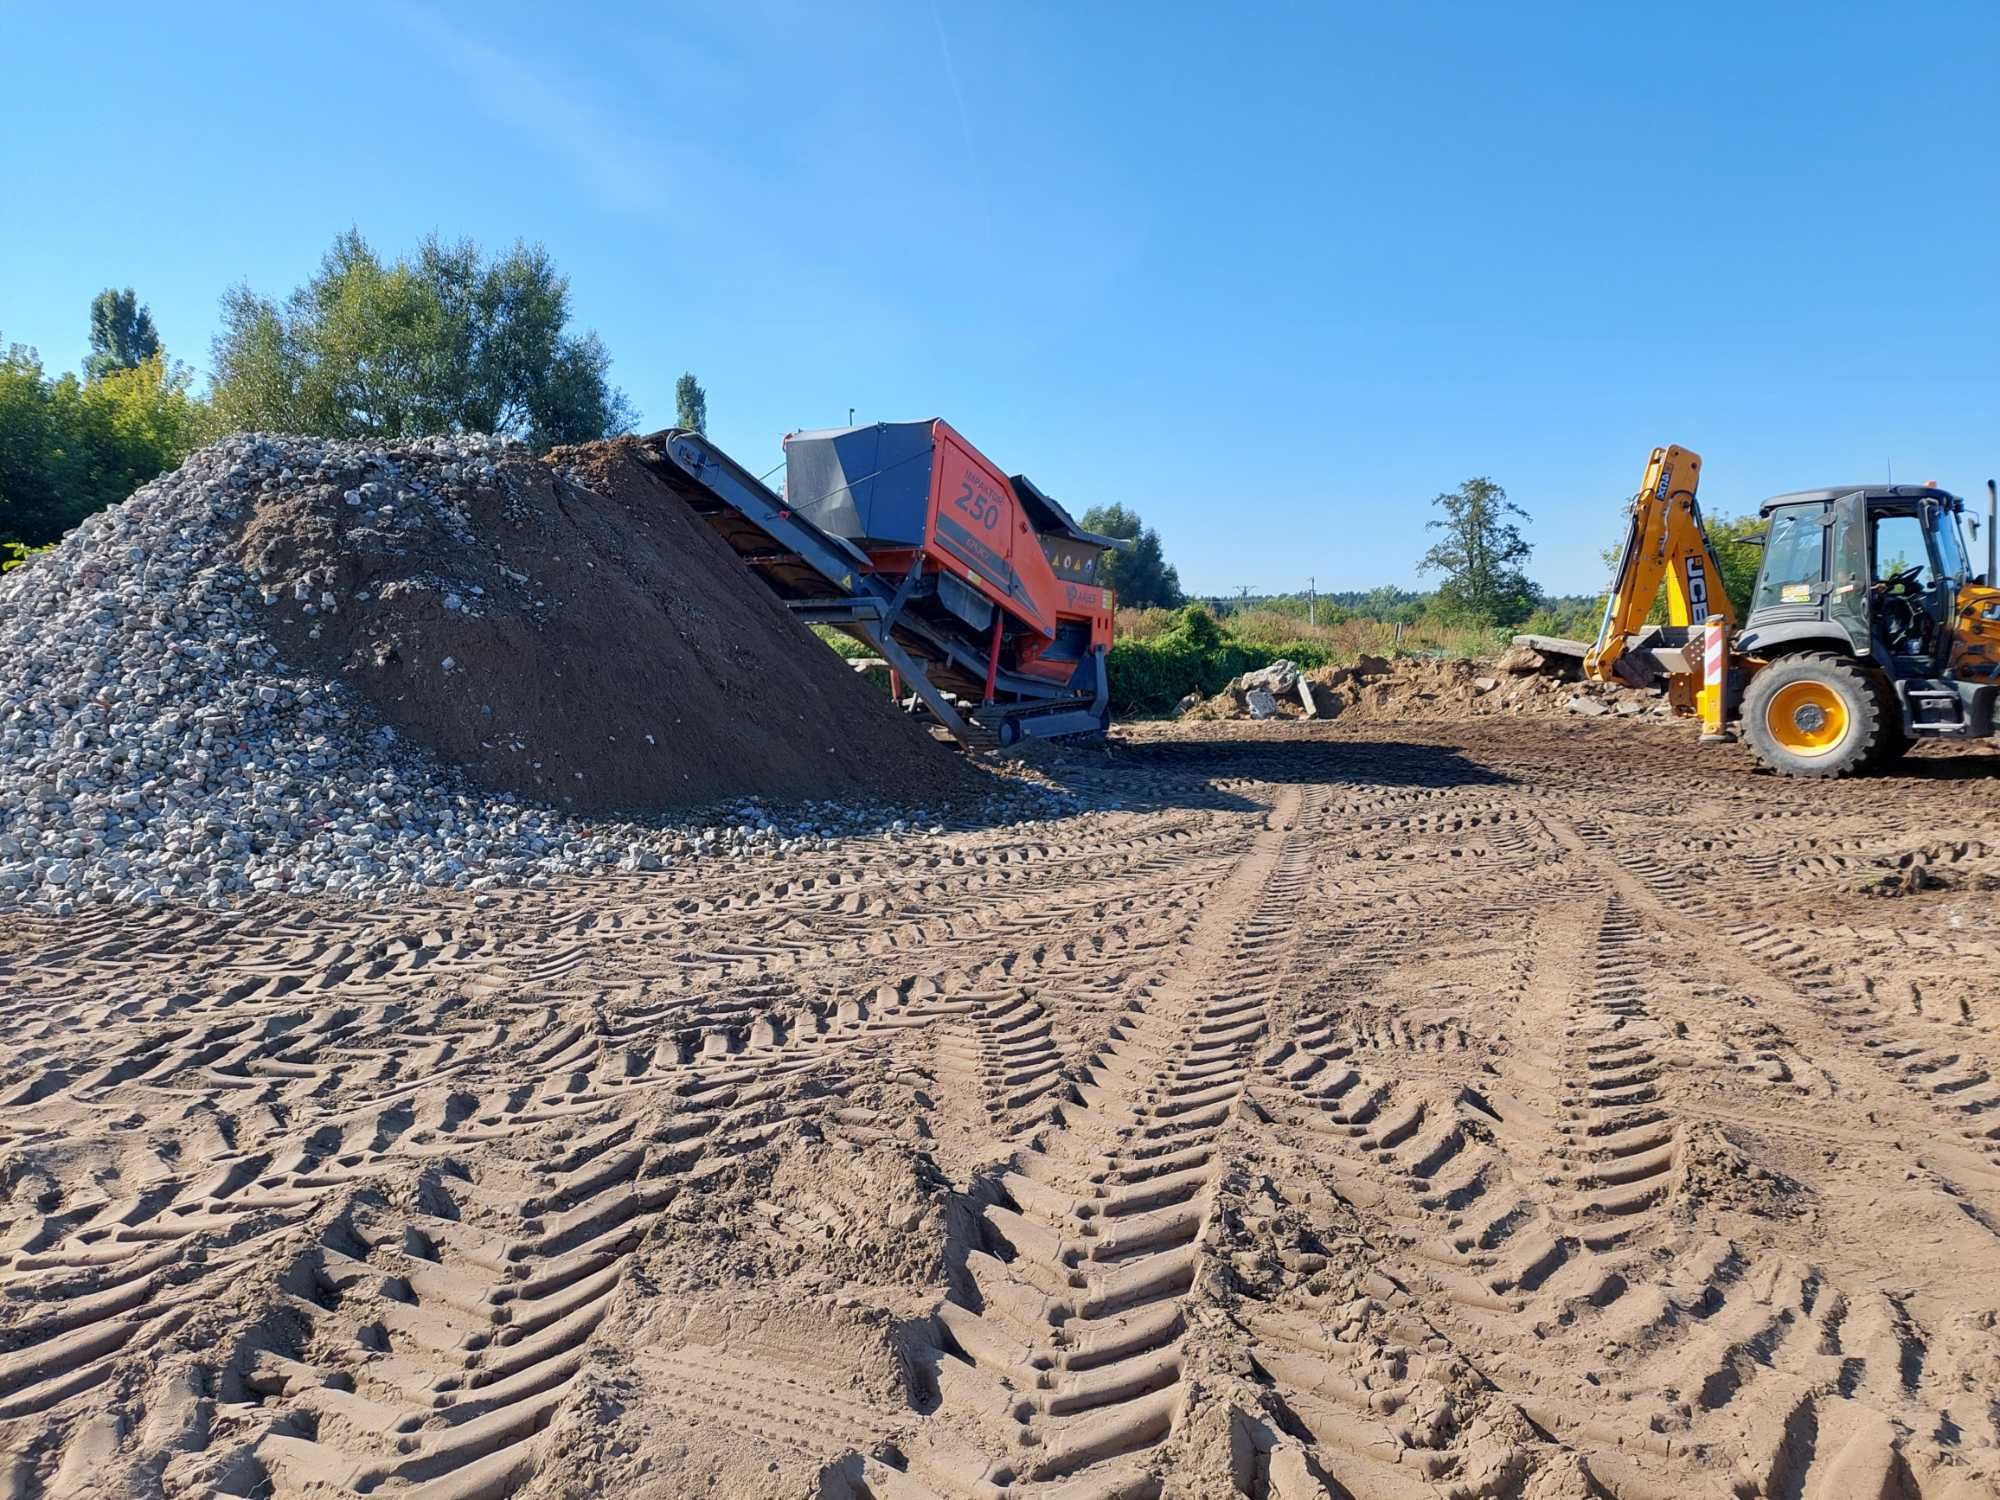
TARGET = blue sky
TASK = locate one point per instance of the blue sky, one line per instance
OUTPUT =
(1273, 275)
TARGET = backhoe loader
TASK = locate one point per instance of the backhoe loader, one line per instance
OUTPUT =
(1867, 629)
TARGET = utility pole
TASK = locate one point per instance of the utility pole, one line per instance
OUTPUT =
(1312, 602)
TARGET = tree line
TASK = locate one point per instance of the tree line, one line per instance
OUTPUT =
(444, 339)
(1480, 559)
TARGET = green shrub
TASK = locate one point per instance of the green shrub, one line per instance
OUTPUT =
(842, 644)
(1193, 655)
(15, 554)
(1143, 624)
(1575, 623)
(70, 447)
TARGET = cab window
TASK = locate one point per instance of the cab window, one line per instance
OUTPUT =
(1900, 544)
(1794, 558)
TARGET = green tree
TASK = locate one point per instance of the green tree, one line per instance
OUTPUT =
(122, 335)
(125, 428)
(27, 443)
(1736, 540)
(1737, 552)
(1142, 577)
(690, 404)
(69, 447)
(1480, 555)
(1390, 604)
(442, 342)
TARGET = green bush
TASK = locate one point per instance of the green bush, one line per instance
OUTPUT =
(1737, 553)
(70, 447)
(1577, 622)
(1193, 655)
(15, 554)
(843, 645)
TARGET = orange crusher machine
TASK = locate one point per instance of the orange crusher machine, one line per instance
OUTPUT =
(982, 594)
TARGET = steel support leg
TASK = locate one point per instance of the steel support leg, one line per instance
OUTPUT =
(912, 672)
(993, 656)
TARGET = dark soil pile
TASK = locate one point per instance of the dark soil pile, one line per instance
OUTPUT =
(596, 648)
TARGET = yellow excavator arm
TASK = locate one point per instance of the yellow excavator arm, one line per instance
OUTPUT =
(1664, 540)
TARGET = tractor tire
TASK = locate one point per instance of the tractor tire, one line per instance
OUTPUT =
(1814, 714)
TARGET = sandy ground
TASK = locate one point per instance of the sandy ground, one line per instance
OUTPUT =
(1535, 1107)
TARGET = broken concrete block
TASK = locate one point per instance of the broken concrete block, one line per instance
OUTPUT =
(1262, 704)
(1279, 678)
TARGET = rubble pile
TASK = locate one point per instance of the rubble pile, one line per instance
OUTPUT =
(1522, 680)
(305, 665)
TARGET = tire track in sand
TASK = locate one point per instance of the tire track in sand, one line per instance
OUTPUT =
(1068, 1339)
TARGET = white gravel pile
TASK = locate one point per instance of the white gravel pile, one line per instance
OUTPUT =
(154, 747)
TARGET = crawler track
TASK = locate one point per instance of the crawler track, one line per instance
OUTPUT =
(1527, 1109)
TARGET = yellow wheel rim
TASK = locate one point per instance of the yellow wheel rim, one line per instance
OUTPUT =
(1807, 718)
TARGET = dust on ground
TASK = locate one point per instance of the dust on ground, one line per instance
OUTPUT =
(1530, 1106)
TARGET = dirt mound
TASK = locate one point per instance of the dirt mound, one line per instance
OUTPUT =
(301, 665)
(598, 648)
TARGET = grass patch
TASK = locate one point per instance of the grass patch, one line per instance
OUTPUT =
(1160, 656)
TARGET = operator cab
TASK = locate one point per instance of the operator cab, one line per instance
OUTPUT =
(1874, 569)
(1916, 568)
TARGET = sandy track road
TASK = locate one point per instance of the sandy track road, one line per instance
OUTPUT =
(1522, 1109)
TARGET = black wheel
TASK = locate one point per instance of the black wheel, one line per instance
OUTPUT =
(1009, 732)
(1814, 715)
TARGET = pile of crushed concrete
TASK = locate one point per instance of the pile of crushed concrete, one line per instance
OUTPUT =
(303, 665)
(1523, 680)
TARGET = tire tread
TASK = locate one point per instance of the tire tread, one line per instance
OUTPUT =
(1866, 705)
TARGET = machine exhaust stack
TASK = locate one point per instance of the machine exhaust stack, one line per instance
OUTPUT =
(1992, 536)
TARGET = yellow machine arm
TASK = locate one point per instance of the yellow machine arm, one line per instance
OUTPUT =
(1664, 539)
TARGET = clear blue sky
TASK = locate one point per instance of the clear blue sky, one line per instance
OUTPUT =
(1274, 275)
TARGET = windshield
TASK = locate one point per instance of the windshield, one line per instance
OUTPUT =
(1794, 557)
